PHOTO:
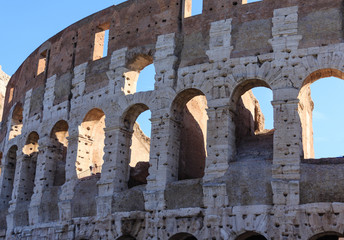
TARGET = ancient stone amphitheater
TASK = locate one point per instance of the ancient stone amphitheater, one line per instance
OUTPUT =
(75, 165)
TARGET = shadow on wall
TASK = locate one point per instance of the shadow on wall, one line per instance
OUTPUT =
(8, 170)
(16, 122)
(192, 141)
(253, 141)
(27, 179)
(91, 144)
(190, 133)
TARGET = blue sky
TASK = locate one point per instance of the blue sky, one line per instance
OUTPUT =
(25, 25)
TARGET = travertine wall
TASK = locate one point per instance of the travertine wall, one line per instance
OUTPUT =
(80, 111)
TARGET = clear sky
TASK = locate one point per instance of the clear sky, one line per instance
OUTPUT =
(25, 25)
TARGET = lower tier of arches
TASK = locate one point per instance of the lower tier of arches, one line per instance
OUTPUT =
(316, 221)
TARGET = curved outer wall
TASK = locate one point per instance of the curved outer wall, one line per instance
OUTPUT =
(221, 53)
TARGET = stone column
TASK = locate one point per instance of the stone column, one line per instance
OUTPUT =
(115, 171)
(18, 213)
(287, 151)
(164, 158)
(117, 71)
(10, 219)
(221, 151)
(46, 166)
(221, 147)
(66, 196)
(285, 29)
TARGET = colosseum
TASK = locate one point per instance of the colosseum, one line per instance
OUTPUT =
(76, 165)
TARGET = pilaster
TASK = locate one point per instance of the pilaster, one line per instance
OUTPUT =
(287, 152)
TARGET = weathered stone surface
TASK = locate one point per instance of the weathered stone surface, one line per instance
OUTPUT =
(72, 152)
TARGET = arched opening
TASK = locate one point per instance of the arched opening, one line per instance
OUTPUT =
(26, 183)
(183, 236)
(189, 111)
(251, 236)
(8, 170)
(91, 144)
(7, 174)
(29, 167)
(16, 121)
(59, 144)
(126, 237)
(254, 140)
(139, 144)
(328, 236)
(141, 76)
(322, 130)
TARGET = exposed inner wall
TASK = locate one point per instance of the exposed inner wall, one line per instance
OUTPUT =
(139, 147)
(193, 138)
(321, 181)
(306, 107)
(253, 141)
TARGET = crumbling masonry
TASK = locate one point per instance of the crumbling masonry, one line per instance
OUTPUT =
(75, 165)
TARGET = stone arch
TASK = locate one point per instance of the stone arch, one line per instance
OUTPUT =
(183, 236)
(136, 64)
(306, 106)
(59, 144)
(126, 237)
(189, 111)
(249, 121)
(244, 86)
(91, 144)
(137, 146)
(16, 121)
(251, 236)
(327, 236)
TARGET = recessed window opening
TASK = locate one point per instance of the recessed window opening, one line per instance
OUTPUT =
(141, 78)
(254, 124)
(321, 118)
(192, 8)
(189, 112)
(255, 108)
(146, 79)
(59, 144)
(91, 144)
(16, 122)
(42, 62)
(101, 41)
(250, 1)
(140, 144)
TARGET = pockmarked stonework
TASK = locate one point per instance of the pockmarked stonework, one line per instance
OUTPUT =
(75, 164)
